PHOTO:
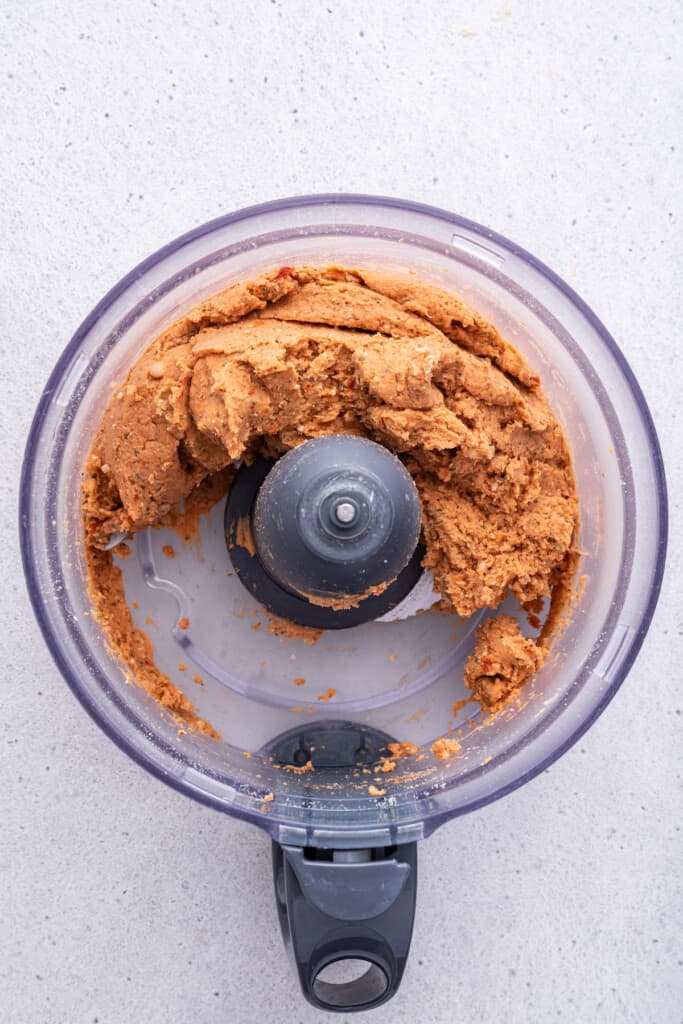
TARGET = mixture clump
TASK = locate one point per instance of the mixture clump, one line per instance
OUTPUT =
(302, 352)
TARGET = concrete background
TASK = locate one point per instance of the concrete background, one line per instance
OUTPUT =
(124, 124)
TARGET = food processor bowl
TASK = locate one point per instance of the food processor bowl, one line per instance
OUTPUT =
(344, 844)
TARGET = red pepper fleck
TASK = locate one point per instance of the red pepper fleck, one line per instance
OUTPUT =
(284, 271)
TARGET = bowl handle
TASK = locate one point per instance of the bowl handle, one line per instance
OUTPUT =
(356, 906)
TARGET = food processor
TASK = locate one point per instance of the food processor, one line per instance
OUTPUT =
(305, 726)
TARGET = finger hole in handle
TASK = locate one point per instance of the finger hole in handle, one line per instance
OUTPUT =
(350, 982)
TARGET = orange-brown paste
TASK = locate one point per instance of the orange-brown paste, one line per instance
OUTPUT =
(302, 352)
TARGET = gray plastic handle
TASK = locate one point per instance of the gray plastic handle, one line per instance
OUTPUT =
(347, 905)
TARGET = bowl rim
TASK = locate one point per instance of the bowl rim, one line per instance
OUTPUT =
(279, 206)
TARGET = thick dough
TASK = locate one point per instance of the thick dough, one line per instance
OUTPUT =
(297, 353)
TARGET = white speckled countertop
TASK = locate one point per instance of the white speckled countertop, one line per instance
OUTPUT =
(126, 124)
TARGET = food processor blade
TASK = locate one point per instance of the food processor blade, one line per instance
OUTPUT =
(326, 536)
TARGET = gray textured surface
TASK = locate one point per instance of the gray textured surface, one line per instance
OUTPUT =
(124, 125)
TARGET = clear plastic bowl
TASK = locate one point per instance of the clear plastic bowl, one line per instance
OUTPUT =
(401, 678)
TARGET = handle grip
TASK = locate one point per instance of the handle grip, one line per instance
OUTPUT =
(351, 908)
